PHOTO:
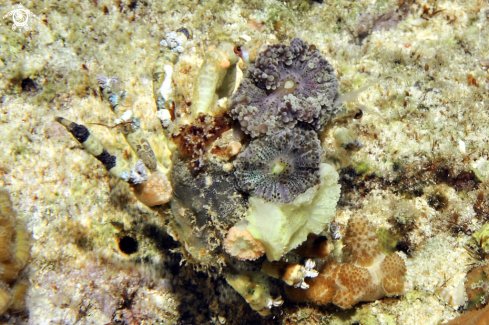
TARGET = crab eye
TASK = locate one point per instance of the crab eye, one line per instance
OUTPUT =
(237, 50)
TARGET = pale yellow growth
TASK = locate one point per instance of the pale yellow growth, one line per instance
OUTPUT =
(283, 227)
(19, 291)
(216, 79)
(6, 233)
(22, 246)
(161, 148)
(254, 288)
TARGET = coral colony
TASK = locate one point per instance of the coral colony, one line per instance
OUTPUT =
(287, 86)
(250, 194)
(14, 255)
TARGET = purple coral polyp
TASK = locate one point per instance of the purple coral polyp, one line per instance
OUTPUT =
(287, 85)
(278, 168)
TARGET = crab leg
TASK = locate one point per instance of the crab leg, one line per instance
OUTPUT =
(93, 145)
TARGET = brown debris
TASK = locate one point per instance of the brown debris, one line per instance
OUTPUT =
(315, 246)
(481, 206)
(194, 140)
(471, 81)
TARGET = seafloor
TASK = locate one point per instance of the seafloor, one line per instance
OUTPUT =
(423, 170)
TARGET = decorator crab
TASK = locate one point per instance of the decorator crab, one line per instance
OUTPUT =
(243, 171)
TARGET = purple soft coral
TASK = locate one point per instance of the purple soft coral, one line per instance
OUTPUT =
(286, 85)
(280, 167)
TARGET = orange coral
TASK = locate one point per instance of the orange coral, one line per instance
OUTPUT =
(472, 317)
(395, 269)
(322, 289)
(361, 243)
(365, 275)
(353, 284)
(240, 243)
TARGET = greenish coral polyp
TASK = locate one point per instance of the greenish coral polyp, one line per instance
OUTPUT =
(283, 227)
(278, 168)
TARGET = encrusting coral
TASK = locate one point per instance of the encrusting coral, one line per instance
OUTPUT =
(203, 206)
(278, 168)
(240, 243)
(365, 274)
(14, 255)
(287, 85)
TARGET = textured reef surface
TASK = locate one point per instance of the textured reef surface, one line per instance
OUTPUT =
(244, 162)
